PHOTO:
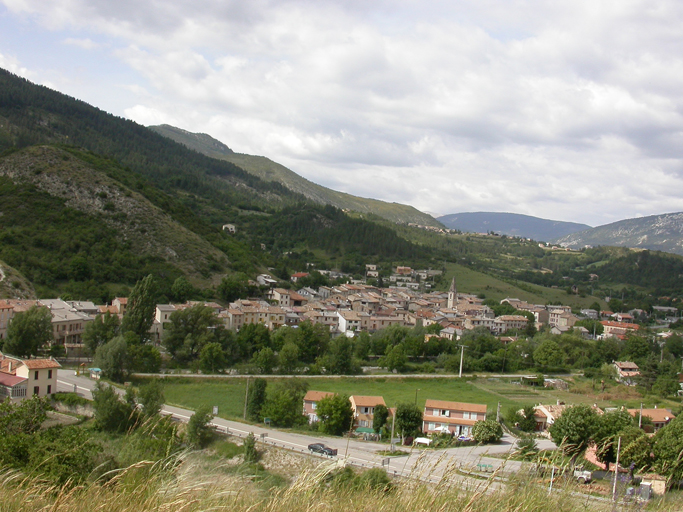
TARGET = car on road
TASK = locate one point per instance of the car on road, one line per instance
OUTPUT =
(322, 449)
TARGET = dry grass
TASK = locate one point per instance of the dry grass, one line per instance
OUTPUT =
(180, 484)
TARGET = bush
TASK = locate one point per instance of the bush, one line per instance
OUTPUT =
(487, 431)
(251, 454)
(71, 399)
(199, 433)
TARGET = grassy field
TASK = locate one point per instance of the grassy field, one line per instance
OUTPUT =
(228, 394)
(471, 281)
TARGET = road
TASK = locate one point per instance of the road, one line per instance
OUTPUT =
(425, 464)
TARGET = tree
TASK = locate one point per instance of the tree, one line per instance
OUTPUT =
(112, 359)
(265, 360)
(199, 431)
(251, 454)
(288, 358)
(335, 414)
(339, 357)
(487, 431)
(668, 450)
(573, 430)
(379, 418)
(151, 398)
(408, 419)
(527, 420)
(100, 331)
(636, 448)
(548, 354)
(111, 414)
(139, 315)
(606, 433)
(189, 330)
(24, 417)
(256, 397)
(182, 290)
(212, 358)
(395, 359)
(28, 332)
(283, 404)
(143, 358)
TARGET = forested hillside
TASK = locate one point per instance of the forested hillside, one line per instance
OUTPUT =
(271, 171)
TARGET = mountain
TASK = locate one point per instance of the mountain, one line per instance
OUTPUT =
(512, 224)
(13, 285)
(270, 171)
(65, 219)
(657, 232)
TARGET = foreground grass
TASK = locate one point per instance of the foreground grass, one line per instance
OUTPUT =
(228, 394)
(180, 484)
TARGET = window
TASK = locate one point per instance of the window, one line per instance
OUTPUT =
(36, 390)
(49, 390)
(35, 376)
(473, 415)
(49, 374)
(445, 412)
(466, 415)
(314, 406)
(431, 426)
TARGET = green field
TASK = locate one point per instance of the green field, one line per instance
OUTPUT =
(228, 394)
(471, 281)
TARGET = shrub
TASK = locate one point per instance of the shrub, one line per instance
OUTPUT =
(487, 431)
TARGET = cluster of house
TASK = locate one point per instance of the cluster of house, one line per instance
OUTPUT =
(350, 308)
(546, 415)
(439, 416)
(21, 378)
(343, 309)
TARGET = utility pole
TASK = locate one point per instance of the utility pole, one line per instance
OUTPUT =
(246, 397)
(462, 352)
(616, 473)
(640, 418)
(393, 422)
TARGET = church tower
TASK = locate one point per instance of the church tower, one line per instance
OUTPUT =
(452, 296)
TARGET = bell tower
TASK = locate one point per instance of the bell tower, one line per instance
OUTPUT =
(452, 295)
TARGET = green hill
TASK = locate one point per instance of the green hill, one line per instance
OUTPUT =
(66, 224)
(270, 171)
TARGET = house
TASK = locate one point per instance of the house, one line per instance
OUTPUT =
(311, 400)
(618, 329)
(660, 417)
(457, 418)
(298, 275)
(364, 409)
(546, 415)
(626, 372)
(20, 378)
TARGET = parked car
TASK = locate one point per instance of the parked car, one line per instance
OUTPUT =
(583, 477)
(464, 438)
(322, 449)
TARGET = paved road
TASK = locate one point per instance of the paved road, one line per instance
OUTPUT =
(426, 464)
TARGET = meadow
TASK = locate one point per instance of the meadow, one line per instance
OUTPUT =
(229, 394)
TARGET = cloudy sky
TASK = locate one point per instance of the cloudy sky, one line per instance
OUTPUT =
(563, 110)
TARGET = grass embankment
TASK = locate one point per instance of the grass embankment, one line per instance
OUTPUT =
(190, 485)
(229, 394)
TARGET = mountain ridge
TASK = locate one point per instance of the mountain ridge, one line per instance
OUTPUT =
(511, 224)
(662, 232)
(271, 171)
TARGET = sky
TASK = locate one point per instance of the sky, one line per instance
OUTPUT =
(563, 110)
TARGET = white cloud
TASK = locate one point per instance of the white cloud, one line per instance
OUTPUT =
(564, 110)
(13, 65)
(85, 44)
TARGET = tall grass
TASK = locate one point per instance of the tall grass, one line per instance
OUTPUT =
(182, 483)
